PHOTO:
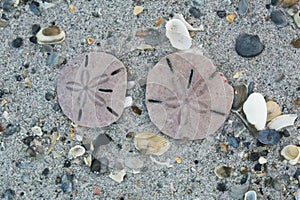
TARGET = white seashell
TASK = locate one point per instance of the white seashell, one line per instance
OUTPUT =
(150, 143)
(291, 153)
(37, 131)
(255, 109)
(178, 34)
(88, 160)
(50, 35)
(119, 176)
(128, 101)
(262, 160)
(133, 163)
(187, 25)
(297, 19)
(250, 195)
(282, 121)
(76, 151)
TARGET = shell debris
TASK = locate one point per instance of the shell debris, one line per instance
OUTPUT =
(282, 121)
(118, 177)
(76, 151)
(291, 153)
(137, 10)
(273, 109)
(50, 35)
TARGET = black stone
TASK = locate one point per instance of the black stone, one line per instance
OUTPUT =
(34, 7)
(46, 172)
(18, 77)
(35, 29)
(264, 153)
(95, 167)
(33, 39)
(254, 156)
(221, 187)
(100, 166)
(268, 6)
(49, 96)
(56, 107)
(257, 167)
(297, 175)
(67, 163)
(248, 45)
(195, 12)
(18, 42)
(28, 140)
(279, 18)
(221, 13)
(244, 179)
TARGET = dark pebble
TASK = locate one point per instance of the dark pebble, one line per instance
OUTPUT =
(251, 87)
(159, 185)
(26, 65)
(8, 194)
(274, 2)
(285, 133)
(248, 45)
(297, 175)
(33, 39)
(17, 14)
(102, 139)
(3, 16)
(55, 59)
(264, 153)
(7, 5)
(136, 110)
(49, 96)
(196, 162)
(257, 167)
(240, 96)
(195, 12)
(34, 7)
(244, 179)
(28, 140)
(95, 167)
(67, 163)
(268, 6)
(46, 172)
(11, 129)
(100, 166)
(66, 183)
(269, 136)
(221, 13)
(35, 29)
(221, 187)
(254, 156)
(233, 141)
(246, 144)
(18, 77)
(296, 43)
(279, 18)
(56, 107)
(18, 42)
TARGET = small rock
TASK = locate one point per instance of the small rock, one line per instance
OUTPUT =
(56, 107)
(66, 183)
(221, 187)
(133, 163)
(257, 167)
(102, 139)
(248, 45)
(4, 23)
(7, 5)
(33, 39)
(223, 171)
(18, 42)
(118, 177)
(231, 17)
(221, 13)
(46, 172)
(25, 178)
(233, 141)
(262, 160)
(254, 156)
(243, 7)
(296, 43)
(49, 96)
(240, 96)
(128, 102)
(274, 110)
(8, 194)
(279, 18)
(31, 152)
(269, 136)
(297, 19)
(137, 10)
(289, 3)
(195, 12)
(136, 110)
(55, 59)
(100, 166)
(67, 163)
(35, 28)
(34, 7)
(274, 2)
(28, 140)
(37, 131)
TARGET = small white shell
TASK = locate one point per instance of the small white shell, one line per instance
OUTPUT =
(178, 34)
(128, 101)
(119, 176)
(282, 121)
(76, 151)
(297, 19)
(262, 160)
(255, 109)
(250, 195)
(187, 25)
(37, 131)
(150, 143)
(50, 35)
(291, 153)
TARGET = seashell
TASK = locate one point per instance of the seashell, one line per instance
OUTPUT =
(178, 34)
(88, 160)
(282, 121)
(243, 7)
(231, 17)
(289, 3)
(128, 101)
(291, 153)
(118, 177)
(187, 25)
(137, 10)
(223, 171)
(150, 143)
(133, 163)
(50, 35)
(297, 19)
(240, 96)
(269, 136)
(273, 109)
(37, 131)
(293, 10)
(255, 109)
(76, 151)
(279, 18)
(250, 195)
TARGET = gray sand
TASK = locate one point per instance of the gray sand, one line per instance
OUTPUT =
(114, 32)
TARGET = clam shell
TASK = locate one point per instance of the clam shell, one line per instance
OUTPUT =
(250, 195)
(255, 109)
(273, 109)
(150, 143)
(178, 34)
(76, 151)
(282, 121)
(291, 153)
(50, 35)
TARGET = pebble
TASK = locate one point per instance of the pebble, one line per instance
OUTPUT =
(18, 42)
(243, 7)
(195, 12)
(128, 101)
(254, 156)
(223, 171)
(221, 13)
(248, 45)
(25, 178)
(262, 160)
(274, 2)
(136, 110)
(240, 96)
(7, 5)
(33, 39)
(102, 139)
(289, 3)
(54, 59)
(257, 167)
(46, 172)
(251, 87)
(233, 141)
(35, 28)
(56, 107)
(34, 7)
(100, 166)
(4, 23)
(67, 163)
(49, 96)
(31, 152)
(269, 136)
(8, 194)
(66, 183)
(221, 187)
(28, 140)
(279, 18)
(296, 43)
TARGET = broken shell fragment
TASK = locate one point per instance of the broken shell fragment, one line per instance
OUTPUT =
(133, 163)
(50, 35)
(187, 25)
(250, 195)
(293, 10)
(178, 34)
(150, 143)
(297, 19)
(137, 10)
(273, 110)
(76, 151)
(118, 177)
(282, 121)
(291, 153)
(255, 109)
(223, 171)
(289, 3)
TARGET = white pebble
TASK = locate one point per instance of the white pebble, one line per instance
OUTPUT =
(128, 102)
(262, 160)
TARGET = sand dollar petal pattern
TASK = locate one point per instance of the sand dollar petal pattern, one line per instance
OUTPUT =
(91, 89)
(186, 97)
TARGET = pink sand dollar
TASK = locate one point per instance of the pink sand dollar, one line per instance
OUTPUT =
(186, 97)
(91, 89)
